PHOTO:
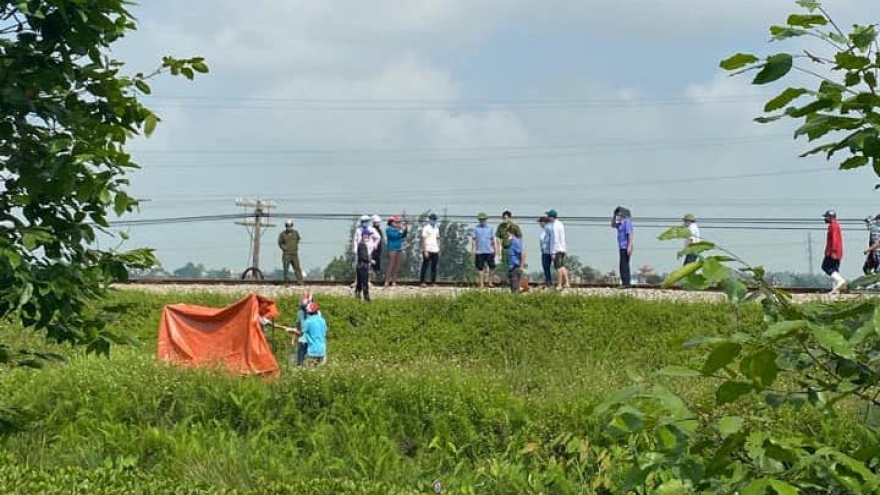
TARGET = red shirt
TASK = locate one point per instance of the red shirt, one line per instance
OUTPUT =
(834, 241)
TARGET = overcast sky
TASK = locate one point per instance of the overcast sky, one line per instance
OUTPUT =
(388, 106)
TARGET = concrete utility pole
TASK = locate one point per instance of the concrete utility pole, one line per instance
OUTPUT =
(255, 230)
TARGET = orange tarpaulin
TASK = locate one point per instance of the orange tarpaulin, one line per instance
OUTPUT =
(231, 337)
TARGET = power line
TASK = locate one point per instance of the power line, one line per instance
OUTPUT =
(425, 104)
(624, 145)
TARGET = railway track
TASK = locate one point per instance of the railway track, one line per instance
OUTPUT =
(406, 283)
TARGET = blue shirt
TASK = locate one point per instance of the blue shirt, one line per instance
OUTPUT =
(514, 253)
(547, 239)
(624, 230)
(315, 330)
(394, 238)
(485, 237)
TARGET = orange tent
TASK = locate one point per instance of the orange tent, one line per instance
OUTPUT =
(231, 337)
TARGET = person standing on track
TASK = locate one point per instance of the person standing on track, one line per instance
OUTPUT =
(833, 251)
(621, 220)
(546, 241)
(506, 224)
(484, 246)
(516, 260)
(377, 252)
(872, 254)
(690, 222)
(558, 250)
(365, 241)
(394, 235)
(288, 242)
(430, 249)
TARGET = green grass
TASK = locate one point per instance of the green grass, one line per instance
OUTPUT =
(486, 392)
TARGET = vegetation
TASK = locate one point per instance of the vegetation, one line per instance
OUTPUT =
(842, 109)
(67, 113)
(487, 393)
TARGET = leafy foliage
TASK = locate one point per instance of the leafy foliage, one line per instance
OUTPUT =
(842, 109)
(818, 357)
(66, 113)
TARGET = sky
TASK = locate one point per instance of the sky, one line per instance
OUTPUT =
(461, 106)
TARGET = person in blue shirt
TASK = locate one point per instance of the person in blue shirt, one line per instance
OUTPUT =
(394, 235)
(484, 245)
(622, 221)
(315, 331)
(516, 260)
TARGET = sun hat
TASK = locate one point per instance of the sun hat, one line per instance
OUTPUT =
(689, 217)
(482, 216)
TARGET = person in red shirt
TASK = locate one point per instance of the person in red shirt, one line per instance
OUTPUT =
(833, 251)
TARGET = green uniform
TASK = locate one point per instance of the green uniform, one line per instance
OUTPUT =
(501, 233)
(288, 242)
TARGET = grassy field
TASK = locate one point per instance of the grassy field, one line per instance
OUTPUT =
(487, 393)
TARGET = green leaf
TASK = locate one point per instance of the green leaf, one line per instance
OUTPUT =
(807, 20)
(833, 341)
(854, 162)
(678, 371)
(150, 123)
(675, 233)
(730, 391)
(627, 420)
(767, 120)
(697, 248)
(756, 487)
(200, 67)
(738, 61)
(681, 273)
(616, 398)
(850, 61)
(721, 356)
(862, 37)
(776, 67)
(729, 425)
(810, 5)
(785, 32)
(784, 328)
(783, 488)
(784, 98)
(760, 366)
(714, 271)
(142, 86)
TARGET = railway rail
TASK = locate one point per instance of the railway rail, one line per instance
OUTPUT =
(410, 283)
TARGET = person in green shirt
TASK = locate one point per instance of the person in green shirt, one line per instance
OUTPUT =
(507, 224)
(288, 242)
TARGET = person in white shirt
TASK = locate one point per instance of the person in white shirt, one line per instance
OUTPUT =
(691, 223)
(430, 249)
(558, 250)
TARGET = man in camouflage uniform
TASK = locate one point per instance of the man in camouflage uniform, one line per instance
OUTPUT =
(507, 224)
(288, 242)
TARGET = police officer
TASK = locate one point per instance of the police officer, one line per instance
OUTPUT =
(288, 242)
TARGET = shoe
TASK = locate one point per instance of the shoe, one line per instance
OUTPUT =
(838, 286)
(423, 285)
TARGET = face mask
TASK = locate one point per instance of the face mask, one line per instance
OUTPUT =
(433, 223)
(365, 223)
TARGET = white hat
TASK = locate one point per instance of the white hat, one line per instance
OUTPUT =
(365, 218)
(288, 222)
(377, 219)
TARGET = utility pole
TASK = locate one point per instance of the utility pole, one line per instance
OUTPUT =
(255, 230)
(810, 252)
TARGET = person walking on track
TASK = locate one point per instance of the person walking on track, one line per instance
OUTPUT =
(833, 251)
